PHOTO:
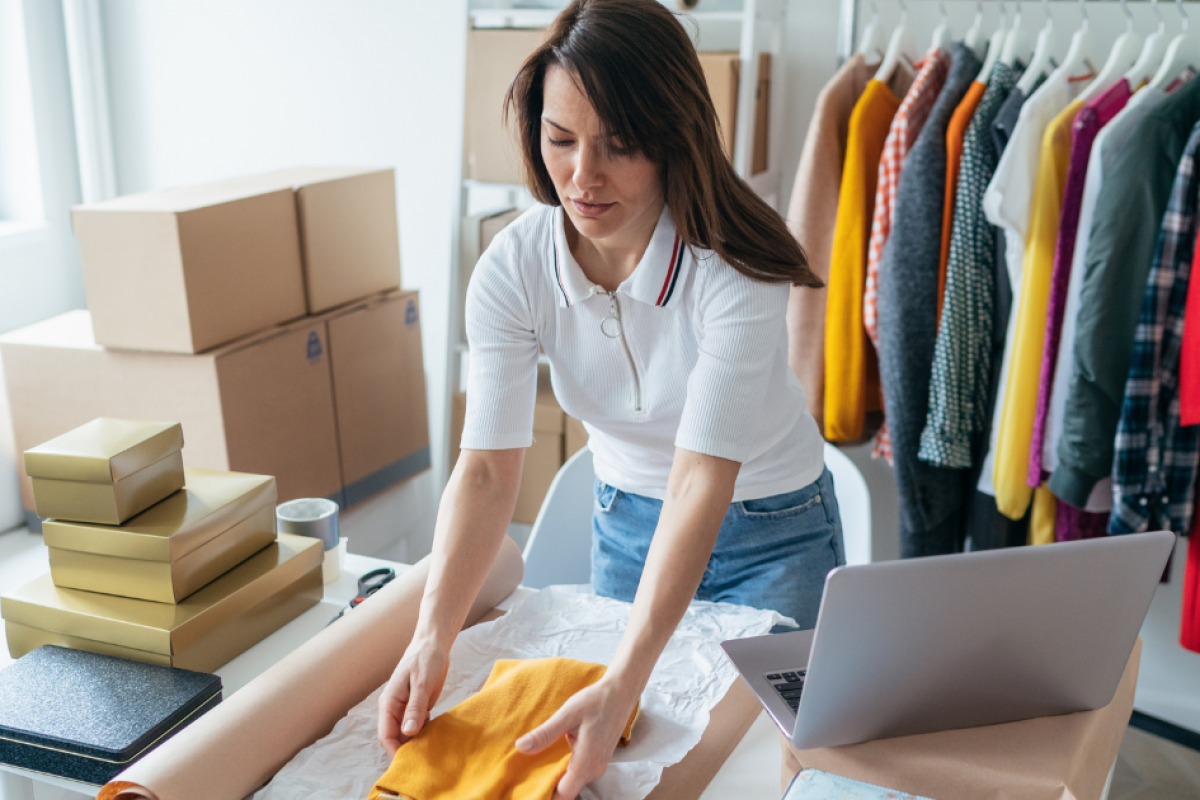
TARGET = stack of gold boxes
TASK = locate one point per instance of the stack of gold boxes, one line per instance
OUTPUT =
(152, 561)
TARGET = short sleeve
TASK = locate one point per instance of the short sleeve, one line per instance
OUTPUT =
(742, 327)
(502, 365)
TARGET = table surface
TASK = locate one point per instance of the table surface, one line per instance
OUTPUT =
(23, 555)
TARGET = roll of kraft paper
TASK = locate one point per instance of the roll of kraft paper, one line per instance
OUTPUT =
(239, 745)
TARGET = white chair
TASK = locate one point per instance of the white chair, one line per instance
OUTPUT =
(559, 548)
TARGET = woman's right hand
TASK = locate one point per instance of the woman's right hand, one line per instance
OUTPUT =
(411, 692)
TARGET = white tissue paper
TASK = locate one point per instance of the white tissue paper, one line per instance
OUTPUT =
(690, 678)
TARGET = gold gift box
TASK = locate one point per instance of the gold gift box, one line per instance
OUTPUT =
(173, 548)
(107, 470)
(206, 630)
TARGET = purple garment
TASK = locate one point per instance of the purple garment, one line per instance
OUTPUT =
(1072, 524)
(1092, 117)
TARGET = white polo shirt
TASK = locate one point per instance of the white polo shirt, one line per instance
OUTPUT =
(687, 352)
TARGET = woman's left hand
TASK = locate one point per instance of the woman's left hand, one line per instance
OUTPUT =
(593, 721)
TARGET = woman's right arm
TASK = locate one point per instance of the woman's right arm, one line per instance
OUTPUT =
(472, 520)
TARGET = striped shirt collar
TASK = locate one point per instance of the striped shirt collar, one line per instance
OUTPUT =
(654, 281)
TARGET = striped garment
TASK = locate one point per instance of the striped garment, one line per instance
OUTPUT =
(1156, 457)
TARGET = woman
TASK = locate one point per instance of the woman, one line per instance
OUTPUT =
(656, 282)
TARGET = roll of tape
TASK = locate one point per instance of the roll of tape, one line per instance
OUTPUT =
(315, 517)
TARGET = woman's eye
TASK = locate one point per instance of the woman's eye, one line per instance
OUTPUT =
(560, 142)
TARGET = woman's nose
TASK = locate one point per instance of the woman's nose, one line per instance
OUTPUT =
(588, 170)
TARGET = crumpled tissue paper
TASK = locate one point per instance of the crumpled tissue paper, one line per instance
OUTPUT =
(690, 678)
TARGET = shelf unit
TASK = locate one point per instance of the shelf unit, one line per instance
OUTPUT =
(750, 27)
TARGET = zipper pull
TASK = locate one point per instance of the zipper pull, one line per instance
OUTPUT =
(610, 326)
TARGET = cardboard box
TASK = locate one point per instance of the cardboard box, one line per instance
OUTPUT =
(379, 393)
(106, 470)
(722, 72)
(493, 58)
(762, 116)
(185, 270)
(263, 404)
(576, 437)
(206, 630)
(172, 549)
(545, 455)
(349, 239)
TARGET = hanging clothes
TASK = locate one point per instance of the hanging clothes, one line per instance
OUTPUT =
(1043, 517)
(1008, 203)
(906, 126)
(955, 135)
(959, 388)
(1092, 118)
(1072, 524)
(869, 124)
(1124, 232)
(812, 214)
(1189, 632)
(930, 497)
(1113, 138)
(1189, 370)
(1155, 467)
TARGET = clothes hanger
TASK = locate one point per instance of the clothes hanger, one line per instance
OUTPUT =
(941, 34)
(900, 46)
(1016, 43)
(1082, 53)
(1124, 54)
(1153, 52)
(1182, 53)
(1043, 55)
(975, 38)
(995, 46)
(871, 44)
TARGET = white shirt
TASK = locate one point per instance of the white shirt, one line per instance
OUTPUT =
(1008, 203)
(693, 354)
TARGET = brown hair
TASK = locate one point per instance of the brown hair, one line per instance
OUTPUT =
(637, 66)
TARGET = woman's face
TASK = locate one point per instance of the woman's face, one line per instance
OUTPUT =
(605, 189)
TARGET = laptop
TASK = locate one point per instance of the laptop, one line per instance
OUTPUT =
(945, 642)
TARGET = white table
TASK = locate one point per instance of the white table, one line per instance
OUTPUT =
(751, 771)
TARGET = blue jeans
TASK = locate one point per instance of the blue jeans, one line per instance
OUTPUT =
(772, 553)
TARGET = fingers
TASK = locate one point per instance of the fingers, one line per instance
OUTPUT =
(416, 710)
(584, 767)
(549, 732)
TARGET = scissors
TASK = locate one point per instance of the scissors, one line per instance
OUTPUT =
(368, 584)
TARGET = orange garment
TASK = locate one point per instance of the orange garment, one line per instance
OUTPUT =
(470, 751)
(846, 373)
(954, 148)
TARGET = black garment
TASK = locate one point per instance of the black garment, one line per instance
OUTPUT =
(931, 498)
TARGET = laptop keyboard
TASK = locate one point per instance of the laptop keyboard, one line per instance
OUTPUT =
(789, 684)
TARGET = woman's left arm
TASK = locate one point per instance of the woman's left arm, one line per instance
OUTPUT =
(699, 492)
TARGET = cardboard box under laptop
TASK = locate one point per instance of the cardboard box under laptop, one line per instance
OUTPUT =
(173, 548)
(204, 631)
(186, 270)
(106, 470)
(262, 405)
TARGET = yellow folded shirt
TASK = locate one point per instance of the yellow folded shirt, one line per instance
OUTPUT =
(470, 751)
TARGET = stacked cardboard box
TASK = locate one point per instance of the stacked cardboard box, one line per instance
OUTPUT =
(556, 437)
(264, 313)
(192, 580)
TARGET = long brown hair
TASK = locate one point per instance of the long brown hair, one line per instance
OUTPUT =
(637, 66)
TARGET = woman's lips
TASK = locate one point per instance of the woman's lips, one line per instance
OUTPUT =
(591, 209)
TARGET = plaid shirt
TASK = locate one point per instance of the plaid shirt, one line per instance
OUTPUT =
(1155, 465)
(906, 126)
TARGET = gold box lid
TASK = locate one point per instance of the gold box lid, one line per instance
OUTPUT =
(210, 503)
(162, 627)
(104, 450)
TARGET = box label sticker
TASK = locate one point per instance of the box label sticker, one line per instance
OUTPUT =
(410, 313)
(314, 347)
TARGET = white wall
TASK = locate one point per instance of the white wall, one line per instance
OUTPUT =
(206, 89)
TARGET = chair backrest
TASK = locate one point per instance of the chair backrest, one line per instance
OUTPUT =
(559, 548)
(854, 505)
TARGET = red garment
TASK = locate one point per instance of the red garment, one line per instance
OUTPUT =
(1189, 630)
(1189, 357)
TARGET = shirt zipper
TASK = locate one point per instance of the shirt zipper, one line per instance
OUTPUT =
(615, 313)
